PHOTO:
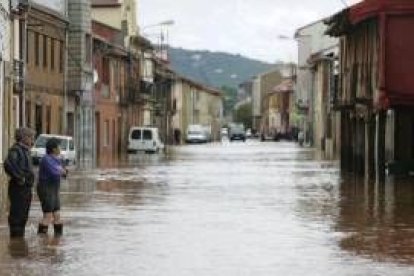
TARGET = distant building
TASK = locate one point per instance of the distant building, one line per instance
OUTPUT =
(262, 84)
(278, 107)
(118, 14)
(245, 91)
(194, 103)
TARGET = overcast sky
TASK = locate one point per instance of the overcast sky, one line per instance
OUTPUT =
(247, 27)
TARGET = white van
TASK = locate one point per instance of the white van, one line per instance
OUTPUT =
(196, 134)
(144, 139)
(66, 144)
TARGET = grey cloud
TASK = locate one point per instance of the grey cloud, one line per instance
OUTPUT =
(248, 27)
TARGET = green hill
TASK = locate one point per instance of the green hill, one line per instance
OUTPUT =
(215, 69)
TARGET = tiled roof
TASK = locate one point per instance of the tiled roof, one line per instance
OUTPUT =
(285, 86)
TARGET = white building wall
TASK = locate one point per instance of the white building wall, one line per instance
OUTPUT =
(5, 51)
(311, 40)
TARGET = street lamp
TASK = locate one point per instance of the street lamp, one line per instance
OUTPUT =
(160, 24)
(162, 53)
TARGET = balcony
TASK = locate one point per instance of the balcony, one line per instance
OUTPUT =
(137, 92)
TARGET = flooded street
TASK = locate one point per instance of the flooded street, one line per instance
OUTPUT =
(222, 209)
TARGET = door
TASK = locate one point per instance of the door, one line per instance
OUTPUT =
(135, 140)
(147, 138)
(98, 136)
(71, 152)
(70, 119)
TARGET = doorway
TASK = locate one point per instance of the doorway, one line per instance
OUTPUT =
(98, 136)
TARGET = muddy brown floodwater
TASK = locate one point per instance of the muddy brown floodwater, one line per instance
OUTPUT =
(222, 209)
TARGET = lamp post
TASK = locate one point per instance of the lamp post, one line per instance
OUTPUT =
(162, 23)
(161, 52)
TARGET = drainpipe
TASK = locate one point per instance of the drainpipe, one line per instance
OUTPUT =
(23, 30)
(65, 76)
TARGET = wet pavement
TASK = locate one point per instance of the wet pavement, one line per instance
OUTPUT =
(222, 209)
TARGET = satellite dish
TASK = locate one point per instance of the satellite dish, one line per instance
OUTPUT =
(95, 76)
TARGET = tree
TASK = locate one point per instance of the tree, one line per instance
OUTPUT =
(244, 114)
(230, 98)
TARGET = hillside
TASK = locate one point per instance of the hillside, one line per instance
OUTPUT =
(215, 69)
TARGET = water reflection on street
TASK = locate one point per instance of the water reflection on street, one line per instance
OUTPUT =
(222, 209)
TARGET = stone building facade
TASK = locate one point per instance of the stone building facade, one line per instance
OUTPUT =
(45, 66)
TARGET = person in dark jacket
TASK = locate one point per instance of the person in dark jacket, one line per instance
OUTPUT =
(18, 166)
(48, 187)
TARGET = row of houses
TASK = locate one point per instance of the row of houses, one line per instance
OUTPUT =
(270, 95)
(355, 89)
(81, 68)
(351, 93)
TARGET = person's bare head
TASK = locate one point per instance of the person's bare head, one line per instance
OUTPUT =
(25, 136)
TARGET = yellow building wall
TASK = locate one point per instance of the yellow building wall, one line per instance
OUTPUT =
(108, 16)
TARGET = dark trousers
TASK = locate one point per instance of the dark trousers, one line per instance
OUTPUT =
(20, 200)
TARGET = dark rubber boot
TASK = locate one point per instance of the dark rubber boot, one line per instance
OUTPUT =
(42, 229)
(58, 228)
(16, 232)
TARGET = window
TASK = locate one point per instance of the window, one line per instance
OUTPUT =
(106, 77)
(48, 118)
(136, 134)
(44, 51)
(88, 48)
(105, 71)
(27, 46)
(52, 54)
(71, 145)
(147, 135)
(106, 133)
(61, 56)
(28, 113)
(37, 49)
(60, 121)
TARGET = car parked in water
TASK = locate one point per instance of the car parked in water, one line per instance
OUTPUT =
(144, 139)
(237, 132)
(66, 144)
(197, 134)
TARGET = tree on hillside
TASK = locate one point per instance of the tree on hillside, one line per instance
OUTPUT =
(230, 99)
(244, 114)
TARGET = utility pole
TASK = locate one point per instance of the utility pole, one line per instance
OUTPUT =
(80, 81)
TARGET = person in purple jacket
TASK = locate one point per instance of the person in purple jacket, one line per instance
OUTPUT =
(48, 187)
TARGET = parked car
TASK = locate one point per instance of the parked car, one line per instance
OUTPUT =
(197, 134)
(224, 132)
(145, 139)
(248, 133)
(67, 148)
(237, 132)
